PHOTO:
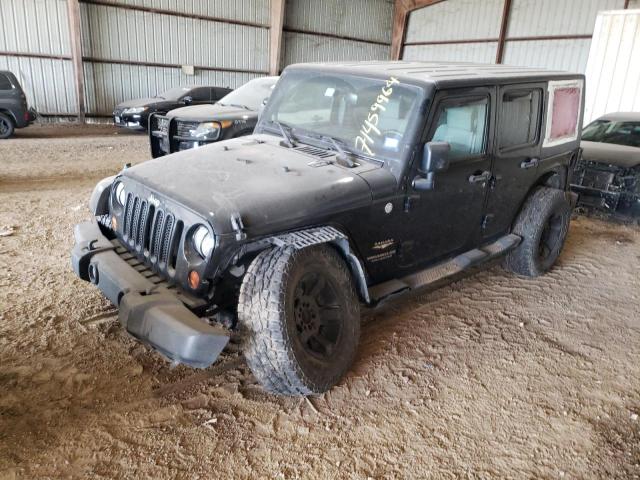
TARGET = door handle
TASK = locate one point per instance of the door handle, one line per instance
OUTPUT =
(530, 163)
(480, 178)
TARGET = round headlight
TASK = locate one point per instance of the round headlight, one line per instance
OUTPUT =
(203, 241)
(121, 196)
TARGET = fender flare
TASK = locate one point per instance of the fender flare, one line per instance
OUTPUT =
(300, 239)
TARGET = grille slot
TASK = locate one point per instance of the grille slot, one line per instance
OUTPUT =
(183, 128)
(156, 235)
(151, 233)
(166, 239)
(315, 151)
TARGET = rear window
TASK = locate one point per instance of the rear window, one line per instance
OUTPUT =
(5, 83)
(565, 99)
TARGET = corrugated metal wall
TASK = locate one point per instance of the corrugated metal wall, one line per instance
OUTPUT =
(325, 30)
(614, 65)
(455, 52)
(459, 20)
(39, 27)
(450, 21)
(159, 43)
(135, 48)
(553, 17)
(241, 10)
(455, 20)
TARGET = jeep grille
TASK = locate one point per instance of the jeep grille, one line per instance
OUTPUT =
(151, 233)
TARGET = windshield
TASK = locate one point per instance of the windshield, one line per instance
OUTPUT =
(609, 131)
(371, 117)
(174, 93)
(250, 95)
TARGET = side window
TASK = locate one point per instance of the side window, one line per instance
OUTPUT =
(520, 118)
(201, 94)
(5, 84)
(218, 93)
(463, 124)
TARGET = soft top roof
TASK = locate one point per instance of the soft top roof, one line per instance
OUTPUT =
(442, 74)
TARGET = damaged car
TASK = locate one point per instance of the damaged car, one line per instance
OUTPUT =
(362, 181)
(235, 115)
(607, 178)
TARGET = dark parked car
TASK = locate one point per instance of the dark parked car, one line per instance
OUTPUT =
(14, 109)
(361, 181)
(233, 116)
(134, 114)
(608, 176)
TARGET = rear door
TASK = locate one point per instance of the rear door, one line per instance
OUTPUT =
(517, 154)
(446, 219)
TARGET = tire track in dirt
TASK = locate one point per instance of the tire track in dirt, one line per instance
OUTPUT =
(493, 376)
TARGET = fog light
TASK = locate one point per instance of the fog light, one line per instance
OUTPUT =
(194, 279)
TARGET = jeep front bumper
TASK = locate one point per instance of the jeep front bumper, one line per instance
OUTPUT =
(150, 312)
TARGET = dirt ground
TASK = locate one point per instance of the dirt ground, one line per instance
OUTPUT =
(493, 376)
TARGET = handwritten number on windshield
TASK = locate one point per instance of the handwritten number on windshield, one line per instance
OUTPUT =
(370, 124)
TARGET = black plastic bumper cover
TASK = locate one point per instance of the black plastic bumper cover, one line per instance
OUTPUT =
(153, 315)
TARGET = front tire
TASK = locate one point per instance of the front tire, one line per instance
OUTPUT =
(300, 317)
(543, 224)
(6, 126)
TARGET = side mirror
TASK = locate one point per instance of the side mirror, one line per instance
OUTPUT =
(435, 159)
(187, 100)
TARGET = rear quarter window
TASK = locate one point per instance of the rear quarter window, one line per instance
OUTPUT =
(563, 117)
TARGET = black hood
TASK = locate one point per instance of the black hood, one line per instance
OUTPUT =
(611, 154)
(204, 113)
(270, 186)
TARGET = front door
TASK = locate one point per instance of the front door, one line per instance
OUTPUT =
(517, 146)
(446, 220)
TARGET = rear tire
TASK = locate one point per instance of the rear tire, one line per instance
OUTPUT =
(6, 126)
(543, 224)
(300, 318)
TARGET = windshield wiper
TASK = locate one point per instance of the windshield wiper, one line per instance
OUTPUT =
(237, 105)
(342, 154)
(288, 137)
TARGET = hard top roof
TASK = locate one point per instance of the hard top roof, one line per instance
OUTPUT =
(444, 73)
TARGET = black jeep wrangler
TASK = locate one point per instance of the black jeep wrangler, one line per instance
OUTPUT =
(361, 181)
(14, 110)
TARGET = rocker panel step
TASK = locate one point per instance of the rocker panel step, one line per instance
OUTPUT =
(448, 268)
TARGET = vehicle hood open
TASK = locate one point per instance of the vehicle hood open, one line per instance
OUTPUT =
(270, 186)
(611, 154)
